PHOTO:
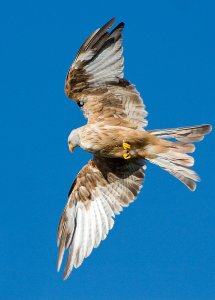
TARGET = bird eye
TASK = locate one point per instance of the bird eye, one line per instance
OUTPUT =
(80, 103)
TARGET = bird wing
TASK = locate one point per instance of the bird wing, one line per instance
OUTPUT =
(95, 81)
(101, 189)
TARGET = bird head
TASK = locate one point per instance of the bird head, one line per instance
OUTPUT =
(73, 140)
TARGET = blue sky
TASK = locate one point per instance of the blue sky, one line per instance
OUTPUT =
(163, 245)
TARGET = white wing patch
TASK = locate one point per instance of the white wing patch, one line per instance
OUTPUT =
(107, 66)
(90, 225)
(84, 224)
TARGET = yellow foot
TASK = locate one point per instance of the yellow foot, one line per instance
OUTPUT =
(126, 146)
(126, 155)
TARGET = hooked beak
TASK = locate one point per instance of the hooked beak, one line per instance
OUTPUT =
(70, 147)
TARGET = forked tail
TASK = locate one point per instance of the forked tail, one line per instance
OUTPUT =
(173, 157)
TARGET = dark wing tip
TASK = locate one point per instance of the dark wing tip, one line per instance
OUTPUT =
(120, 25)
(105, 27)
(208, 128)
(109, 23)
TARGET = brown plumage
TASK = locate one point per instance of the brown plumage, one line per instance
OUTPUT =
(116, 137)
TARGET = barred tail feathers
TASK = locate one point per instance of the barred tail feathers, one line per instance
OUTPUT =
(177, 165)
(173, 157)
(183, 134)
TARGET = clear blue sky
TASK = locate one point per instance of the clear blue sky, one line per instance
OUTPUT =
(163, 245)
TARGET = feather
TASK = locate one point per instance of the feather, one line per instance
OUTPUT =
(97, 74)
(184, 134)
(87, 220)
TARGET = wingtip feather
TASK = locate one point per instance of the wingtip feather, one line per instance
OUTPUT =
(60, 257)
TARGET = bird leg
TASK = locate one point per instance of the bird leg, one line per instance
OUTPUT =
(126, 146)
(126, 155)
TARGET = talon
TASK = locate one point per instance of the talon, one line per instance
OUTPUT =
(126, 155)
(126, 146)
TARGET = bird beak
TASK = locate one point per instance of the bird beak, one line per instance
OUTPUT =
(70, 147)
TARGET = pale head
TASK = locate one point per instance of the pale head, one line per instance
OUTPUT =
(73, 139)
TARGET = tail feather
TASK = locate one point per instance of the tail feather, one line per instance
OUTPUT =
(185, 175)
(179, 147)
(183, 134)
(173, 157)
(178, 158)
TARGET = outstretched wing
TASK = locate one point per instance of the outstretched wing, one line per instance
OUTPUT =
(95, 81)
(101, 189)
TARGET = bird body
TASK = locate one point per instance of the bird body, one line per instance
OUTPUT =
(115, 134)
(107, 141)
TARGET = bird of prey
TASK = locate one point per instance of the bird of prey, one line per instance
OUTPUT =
(115, 134)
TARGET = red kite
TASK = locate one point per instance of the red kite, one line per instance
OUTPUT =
(120, 145)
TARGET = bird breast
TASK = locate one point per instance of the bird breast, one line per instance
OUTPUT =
(110, 141)
(101, 140)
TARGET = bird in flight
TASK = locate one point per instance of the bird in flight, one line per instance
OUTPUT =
(115, 134)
